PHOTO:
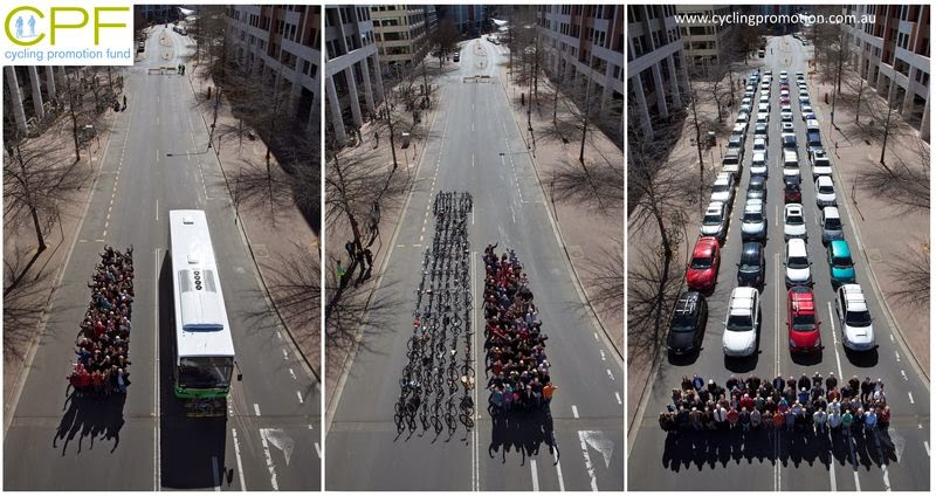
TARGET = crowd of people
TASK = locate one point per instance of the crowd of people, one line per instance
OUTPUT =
(103, 341)
(815, 404)
(514, 340)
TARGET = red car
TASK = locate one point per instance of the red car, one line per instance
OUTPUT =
(784, 86)
(792, 193)
(803, 321)
(703, 269)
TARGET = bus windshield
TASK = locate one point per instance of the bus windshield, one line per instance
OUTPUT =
(205, 372)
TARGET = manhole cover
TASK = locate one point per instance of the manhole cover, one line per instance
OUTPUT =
(874, 255)
(575, 251)
(260, 251)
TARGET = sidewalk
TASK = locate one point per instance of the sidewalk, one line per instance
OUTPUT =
(886, 233)
(26, 308)
(277, 242)
(578, 223)
(337, 354)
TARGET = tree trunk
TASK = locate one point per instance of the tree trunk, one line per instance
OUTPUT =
(27, 192)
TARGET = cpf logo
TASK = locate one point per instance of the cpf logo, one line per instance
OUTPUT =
(27, 25)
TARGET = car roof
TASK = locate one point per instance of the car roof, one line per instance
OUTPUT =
(839, 248)
(742, 300)
(790, 154)
(756, 179)
(854, 298)
(688, 302)
(792, 208)
(824, 180)
(830, 212)
(796, 247)
(754, 205)
(714, 207)
(705, 246)
(802, 300)
(721, 179)
(751, 250)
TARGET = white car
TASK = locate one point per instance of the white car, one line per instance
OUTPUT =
(741, 323)
(749, 87)
(854, 318)
(806, 109)
(786, 115)
(825, 192)
(784, 93)
(783, 73)
(787, 127)
(797, 263)
(723, 190)
(765, 85)
(760, 144)
(808, 116)
(790, 163)
(794, 222)
(821, 164)
(743, 118)
(763, 108)
(715, 221)
(763, 99)
(763, 118)
(739, 128)
(759, 164)
(754, 221)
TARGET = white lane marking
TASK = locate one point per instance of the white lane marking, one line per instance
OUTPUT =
(601, 351)
(285, 355)
(292, 373)
(897, 355)
(257, 409)
(157, 211)
(534, 475)
(240, 463)
(617, 396)
(886, 480)
(215, 474)
(575, 411)
(857, 482)
(559, 470)
(269, 460)
(596, 336)
(910, 395)
(588, 463)
(157, 466)
(891, 336)
(838, 360)
(926, 446)
(299, 395)
(610, 374)
(318, 449)
(832, 477)
(904, 375)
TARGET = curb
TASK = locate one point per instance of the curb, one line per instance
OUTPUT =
(565, 250)
(243, 230)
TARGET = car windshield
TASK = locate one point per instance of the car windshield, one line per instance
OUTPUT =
(798, 263)
(720, 188)
(756, 186)
(795, 220)
(833, 223)
(826, 189)
(739, 323)
(711, 219)
(749, 268)
(858, 319)
(682, 322)
(804, 322)
(841, 262)
(701, 262)
(753, 217)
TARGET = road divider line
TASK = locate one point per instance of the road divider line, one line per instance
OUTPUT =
(257, 409)
(617, 396)
(575, 411)
(589, 468)
(534, 475)
(558, 470)
(832, 477)
(904, 375)
(157, 466)
(610, 374)
(299, 395)
(886, 477)
(926, 447)
(318, 449)
(240, 463)
(838, 360)
(292, 373)
(910, 395)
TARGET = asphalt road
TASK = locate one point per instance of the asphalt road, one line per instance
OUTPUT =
(270, 439)
(898, 461)
(476, 147)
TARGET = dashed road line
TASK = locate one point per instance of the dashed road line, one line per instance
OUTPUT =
(299, 395)
(318, 448)
(910, 395)
(256, 409)
(292, 373)
(617, 396)
(240, 463)
(534, 475)
(610, 374)
(558, 470)
(575, 411)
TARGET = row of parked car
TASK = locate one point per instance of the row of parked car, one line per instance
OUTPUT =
(740, 337)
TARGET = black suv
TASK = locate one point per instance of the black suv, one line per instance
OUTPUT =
(751, 267)
(688, 324)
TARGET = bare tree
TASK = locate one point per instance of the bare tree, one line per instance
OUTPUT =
(25, 292)
(605, 275)
(904, 183)
(36, 184)
(913, 270)
(444, 40)
(296, 284)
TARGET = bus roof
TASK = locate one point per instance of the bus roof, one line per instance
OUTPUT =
(201, 321)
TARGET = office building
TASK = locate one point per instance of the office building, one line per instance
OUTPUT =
(281, 44)
(893, 55)
(703, 42)
(402, 32)
(353, 81)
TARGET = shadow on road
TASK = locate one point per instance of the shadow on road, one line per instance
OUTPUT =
(863, 359)
(522, 431)
(95, 418)
(708, 449)
(191, 449)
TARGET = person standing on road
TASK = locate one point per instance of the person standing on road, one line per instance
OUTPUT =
(790, 420)
(867, 387)
(732, 417)
(548, 390)
(834, 420)
(870, 421)
(697, 382)
(803, 383)
(756, 419)
(778, 383)
(819, 420)
(847, 421)
(745, 419)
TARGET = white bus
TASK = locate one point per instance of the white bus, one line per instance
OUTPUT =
(204, 349)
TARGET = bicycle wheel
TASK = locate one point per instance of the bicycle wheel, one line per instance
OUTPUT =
(467, 420)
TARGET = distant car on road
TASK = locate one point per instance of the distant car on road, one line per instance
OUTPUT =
(802, 321)
(456, 57)
(757, 189)
(703, 268)
(821, 165)
(754, 221)
(854, 317)
(792, 193)
(687, 326)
